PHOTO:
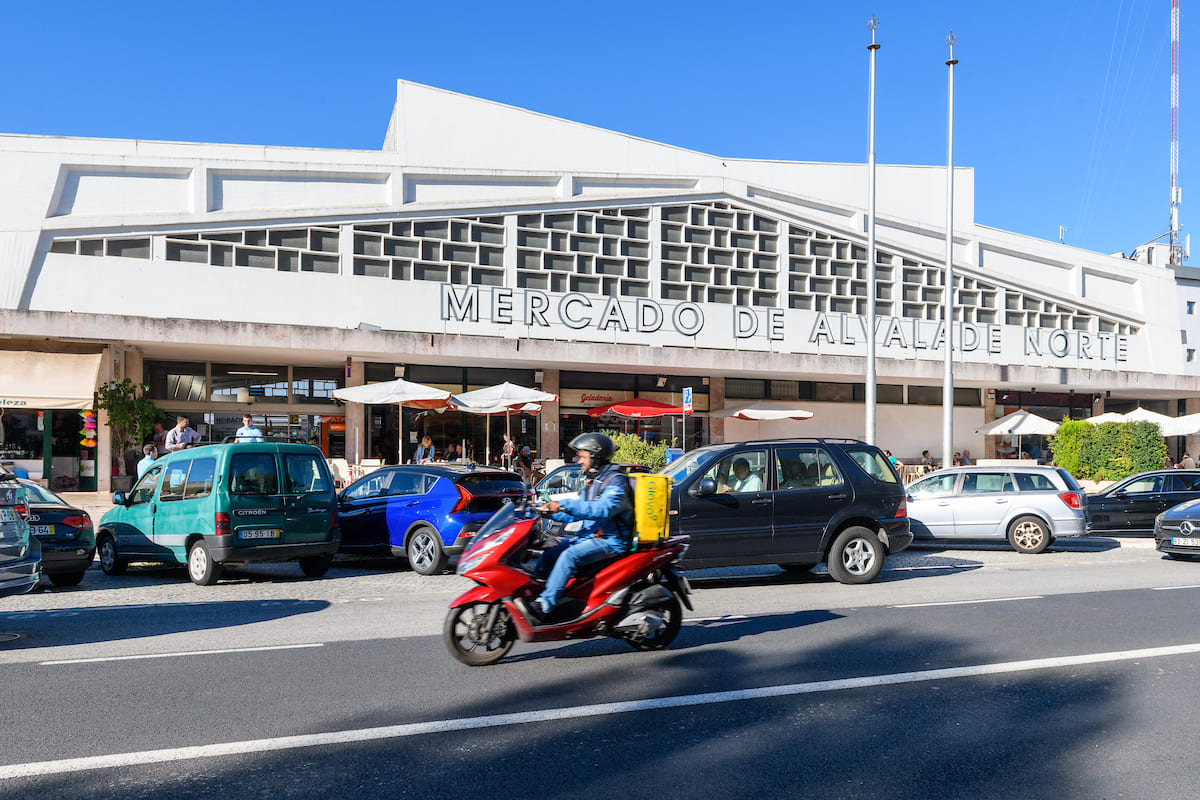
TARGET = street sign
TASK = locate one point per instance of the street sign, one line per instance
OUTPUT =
(687, 401)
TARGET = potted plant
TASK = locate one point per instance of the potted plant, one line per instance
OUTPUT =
(131, 418)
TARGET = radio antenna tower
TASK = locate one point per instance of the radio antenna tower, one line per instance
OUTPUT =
(1176, 192)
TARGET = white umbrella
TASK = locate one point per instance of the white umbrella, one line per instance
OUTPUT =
(1140, 414)
(399, 392)
(1107, 416)
(1186, 425)
(504, 397)
(1019, 423)
(760, 410)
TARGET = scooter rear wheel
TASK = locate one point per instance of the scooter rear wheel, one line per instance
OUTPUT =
(469, 638)
(673, 615)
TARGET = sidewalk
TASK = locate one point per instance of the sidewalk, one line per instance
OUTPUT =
(96, 504)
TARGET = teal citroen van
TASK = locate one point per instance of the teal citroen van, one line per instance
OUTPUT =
(217, 504)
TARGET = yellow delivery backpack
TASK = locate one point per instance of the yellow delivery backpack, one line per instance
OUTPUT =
(651, 508)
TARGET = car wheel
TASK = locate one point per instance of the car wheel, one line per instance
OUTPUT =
(469, 638)
(672, 614)
(425, 554)
(1029, 534)
(110, 560)
(200, 566)
(66, 578)
(856, 556)
(316, 566)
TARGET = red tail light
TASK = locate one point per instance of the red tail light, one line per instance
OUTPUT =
(464, 498)
(224, 528)
(1071, 499)
(23, 510)
(78, 521)
(902, 511)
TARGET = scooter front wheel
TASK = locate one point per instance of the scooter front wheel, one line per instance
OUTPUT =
(476, 637)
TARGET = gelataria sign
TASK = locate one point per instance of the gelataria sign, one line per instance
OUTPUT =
(472, 309)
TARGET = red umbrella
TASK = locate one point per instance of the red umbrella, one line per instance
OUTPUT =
(637, 408)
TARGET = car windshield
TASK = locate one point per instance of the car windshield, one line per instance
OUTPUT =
(687, 464)
(506, 516)
(492, 483)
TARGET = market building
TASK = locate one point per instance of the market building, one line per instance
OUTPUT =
(486, 243)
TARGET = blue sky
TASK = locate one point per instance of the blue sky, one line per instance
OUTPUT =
(1062, 107)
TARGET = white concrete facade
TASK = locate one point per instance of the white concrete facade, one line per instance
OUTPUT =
(491, 236)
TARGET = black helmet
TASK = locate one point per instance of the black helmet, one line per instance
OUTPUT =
(600, 446)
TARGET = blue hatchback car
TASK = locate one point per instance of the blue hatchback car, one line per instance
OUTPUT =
(424, 513)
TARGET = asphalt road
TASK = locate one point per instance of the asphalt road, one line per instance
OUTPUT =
(964, 673)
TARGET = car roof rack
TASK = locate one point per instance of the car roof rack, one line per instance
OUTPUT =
(233, 439)
(804, 439)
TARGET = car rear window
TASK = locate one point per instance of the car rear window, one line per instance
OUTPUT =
(1069, 480)
(39, 495)
(494, 483)
(253, 473)
(874, 463)
(304, 474)
(1034, 482)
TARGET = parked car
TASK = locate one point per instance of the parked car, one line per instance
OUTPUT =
(1131, 505)
(1027, 505)
(220, 504)
(65, 532)
(1177, 531)
(425, 513)
(20, 553)
(567, 481)
(792, 502)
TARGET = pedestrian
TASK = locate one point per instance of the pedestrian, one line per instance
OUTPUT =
(425, 451)
(248, 432)
(181, 435)
(160, 437)
(966, 458)
(149, 453)
(508, 452)
(1187, 462)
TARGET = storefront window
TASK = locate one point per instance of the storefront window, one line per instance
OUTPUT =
(21, 437)
(238, 383)
(176, 381)
(315, 384)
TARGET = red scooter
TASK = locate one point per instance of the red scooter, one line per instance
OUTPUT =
(635, 597)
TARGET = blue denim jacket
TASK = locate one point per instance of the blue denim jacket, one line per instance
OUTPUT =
(606, 504)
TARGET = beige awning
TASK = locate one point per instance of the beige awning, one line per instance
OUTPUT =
(47, 380)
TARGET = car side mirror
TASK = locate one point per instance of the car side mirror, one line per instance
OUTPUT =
(1119, 493)
(706, 487)
(119, 499)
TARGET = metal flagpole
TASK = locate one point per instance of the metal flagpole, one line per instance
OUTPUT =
(948, 299)
(869, 434)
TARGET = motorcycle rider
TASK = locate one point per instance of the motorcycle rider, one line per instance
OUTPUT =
(606, 509)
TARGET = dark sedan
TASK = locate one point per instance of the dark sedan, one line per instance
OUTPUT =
(425, 513)
(66, 533)
(1177, 531)
(1131, 505)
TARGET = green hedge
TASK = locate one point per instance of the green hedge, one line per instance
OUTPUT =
(632, 449)
(1108, 452)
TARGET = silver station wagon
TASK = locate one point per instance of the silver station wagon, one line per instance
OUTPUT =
(1029, 506)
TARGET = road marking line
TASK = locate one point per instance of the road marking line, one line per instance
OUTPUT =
(964, 565)
(970, 602)
(181, 654)
(65, 765)
(1169, 588)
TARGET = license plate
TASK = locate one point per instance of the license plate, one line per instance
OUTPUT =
(1180, 541)
(259, 533)
(8, 515)
(41, 530)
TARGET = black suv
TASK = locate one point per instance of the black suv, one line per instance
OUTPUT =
(792, 502)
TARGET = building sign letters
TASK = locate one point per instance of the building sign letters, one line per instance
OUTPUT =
(535, 308)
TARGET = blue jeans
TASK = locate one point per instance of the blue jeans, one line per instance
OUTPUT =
(566, 557)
